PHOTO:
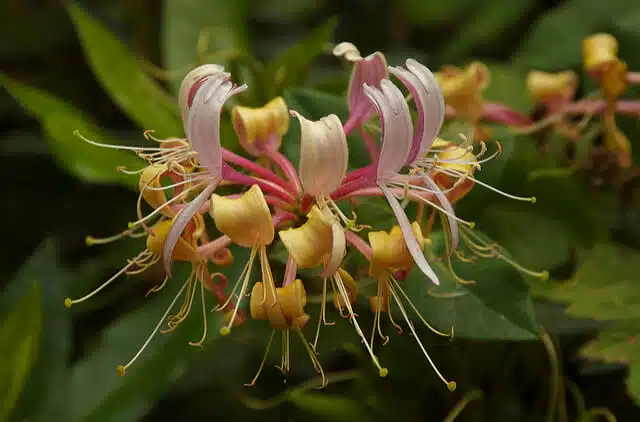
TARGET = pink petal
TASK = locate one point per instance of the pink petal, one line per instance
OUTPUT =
(429, 101)
(395, 125)
(371, 71)
(181, 221)
(191, 82)
(409, 238)
(203, 127)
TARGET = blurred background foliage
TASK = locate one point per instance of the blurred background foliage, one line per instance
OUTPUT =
(111, 69)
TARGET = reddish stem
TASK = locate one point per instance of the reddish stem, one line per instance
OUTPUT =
(255, 168)
(357, 242)
(287, 168)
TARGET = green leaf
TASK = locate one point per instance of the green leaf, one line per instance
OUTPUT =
(59, 120)
(496, 307)
(314, 105)
(185, 21)
(555, 42)
(292, 66)
(45, 395)
(330, 407)
(508, 87)
(423, 12)
(19, 340)
(120, 74)
(633, 382)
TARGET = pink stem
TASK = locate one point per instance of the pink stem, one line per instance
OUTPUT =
(352, 122)
(359, 172)
(287, 167)
(208, 249)
(254, 168)
(289, 272)
(502, 114)
(633, 77)
(598, 106)
(235, 176)
(371, 145)
(357, 242)
(347, 188)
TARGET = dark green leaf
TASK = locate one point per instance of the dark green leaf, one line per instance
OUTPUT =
(423, 12)
(45, 396)
(291, 67)
(120, 74)
(60, 120)
(330, 407)
(555, 42)
(19, 340)
(508, 87)
(496, 307)
(633, 382)
(185, 21)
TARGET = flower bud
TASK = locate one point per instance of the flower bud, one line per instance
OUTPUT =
(323, 154)
(600, 57)
(285, 310)
(389, 250)
(462, 88)
(544, 86)
(246, 220)
(261, 128)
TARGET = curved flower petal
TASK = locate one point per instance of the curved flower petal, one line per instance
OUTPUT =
(446, 205)
(324, 154)
(429, 101)
(370, 70)
(409, 237)
(203, 127)
(190, 85)
(395, 125)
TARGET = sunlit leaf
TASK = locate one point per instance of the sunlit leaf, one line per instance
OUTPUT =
(19, 340)
(120, 74)
(59, 120)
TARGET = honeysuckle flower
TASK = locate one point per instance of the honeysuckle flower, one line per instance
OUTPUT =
(247, 222)
(602, 63)
(462, 89)
(552, 89)
(389, 254)
(203, 93)
(284, 312)
(260, 130)
(370, 70)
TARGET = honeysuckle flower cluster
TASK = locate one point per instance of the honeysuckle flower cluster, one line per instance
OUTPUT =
(310, 208)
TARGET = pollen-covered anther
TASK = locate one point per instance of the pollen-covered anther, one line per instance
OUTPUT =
(286, 311)
(462, 88)
(389, 250)
(547, 87)
(246, 220)
(453, 163)
(311, 243)
(261, 128)
(600, 58)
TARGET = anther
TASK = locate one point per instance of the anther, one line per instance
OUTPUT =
(68, 302)
(121, 370)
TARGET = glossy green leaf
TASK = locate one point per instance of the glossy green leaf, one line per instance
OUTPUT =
(122, 77)
(314, 105)
(291, 67)
(59, 120)
(555, 42)
(222, 22)
(45, 396)
(20, 334)
(496, 307)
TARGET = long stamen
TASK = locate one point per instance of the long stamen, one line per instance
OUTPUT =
(122, 369)
(323, 315)
(454, 173)
(406, 297)
(451, 385)
(245, 283)
(159, 287)
(204, 312)
(68, 302)
(264, 359)
(90, 240)
(343, 291)
(185, 309)
(314, 358)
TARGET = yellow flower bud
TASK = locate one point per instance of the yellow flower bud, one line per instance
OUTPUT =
(598, 51)
(262, 127)
(246, 220)
(389, 250)
(544, 86)
(311, 243)
(149, 183)
(462, 88)
(287, 311)
(183, 251)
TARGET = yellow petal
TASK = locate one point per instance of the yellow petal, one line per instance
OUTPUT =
(310, 243)
(599, 50)
(262, 127)
(183, 251)
(246, 220)
(389, 251)
(543, 86)
(149, 183)
(462, 88)
(352, 290)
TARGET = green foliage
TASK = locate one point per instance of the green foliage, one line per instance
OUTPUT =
(20, 334)
(59, 120)
(123, 79)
